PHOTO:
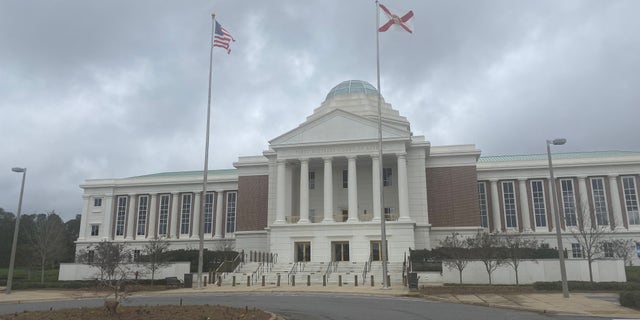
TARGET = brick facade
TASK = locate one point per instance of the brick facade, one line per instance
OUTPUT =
(453, 197)
(252, 203)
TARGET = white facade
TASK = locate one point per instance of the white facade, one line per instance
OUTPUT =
(312, 195)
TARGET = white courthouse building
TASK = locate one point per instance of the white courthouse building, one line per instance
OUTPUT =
(312, 195)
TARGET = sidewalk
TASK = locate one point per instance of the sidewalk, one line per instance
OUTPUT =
(587, 304)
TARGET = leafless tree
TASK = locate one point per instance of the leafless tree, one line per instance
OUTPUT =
(112, 261)
(486, 248)
(623, 249)
(516, 246)
(155, 256)
(47, 239)
(457, 253)
(590, 236)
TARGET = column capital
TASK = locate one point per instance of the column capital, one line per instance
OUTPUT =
(374, 156)
(401, 154)
(281, 161)
(352, 157)
(582, 177)
(153, 194)
(327, 158)
(132, 194)
(612, 176)
(494, 180)
(304, 159)
(522, 179)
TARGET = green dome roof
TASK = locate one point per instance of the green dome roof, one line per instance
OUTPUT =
(352, 86)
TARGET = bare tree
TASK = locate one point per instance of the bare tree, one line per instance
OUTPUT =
(47, 239)
(623, 249)
(225, 245)
(456, 251)
(155, 256)
(486, 249)
(590, 236)
(112, 261)
(516, 247)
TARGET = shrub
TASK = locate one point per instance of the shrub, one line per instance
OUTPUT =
(633, 273)
(587, 286)
(630, 299)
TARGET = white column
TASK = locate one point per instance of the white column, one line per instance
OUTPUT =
(403, 188)
(83, 218)
(173, 230)
(153, 208)
(328, 190)
(352, 189)
(131, 217)
(195, 231)
(107, 218)
(304, 191)
(552, 221)
(615, 202)
(584, 211)
(524, 205)
(495, 206)
(375, 173)
(280, 192)
(219, 200)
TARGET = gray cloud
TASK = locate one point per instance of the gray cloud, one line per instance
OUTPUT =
(118, 88)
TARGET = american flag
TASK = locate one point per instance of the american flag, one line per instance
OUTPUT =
(222, 37)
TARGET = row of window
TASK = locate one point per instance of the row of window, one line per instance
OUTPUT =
(578, 252)
(163, 214)
(387, 177)
(539, 204)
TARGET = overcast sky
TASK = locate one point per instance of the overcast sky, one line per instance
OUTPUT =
(112, 89)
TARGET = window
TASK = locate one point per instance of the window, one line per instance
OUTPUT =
(539, 207)
(163, 215)
(576, 250)
(569, 203)
(599, 201)
(208, 213)
(231, 212)
(544, 245)
(312, 215)
(387, 177)
(607, 249)
(631, 199)
(121, 213)
(185, 213)
(482, 195)
(312, 180)
(90, 256)
(509, 203)
(97, 202)
(136, 255)
(95, 230)
(389, 214)
(345, 179)
(143, 202)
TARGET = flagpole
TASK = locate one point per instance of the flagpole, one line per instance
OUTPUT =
(206, 163)
(383, 227)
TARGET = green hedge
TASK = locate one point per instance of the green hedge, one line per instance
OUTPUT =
(630, 299)
(212, 259)
(587, 286)
(633, 273)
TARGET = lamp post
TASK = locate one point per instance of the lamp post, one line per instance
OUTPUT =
(15, 232)
(556, 215)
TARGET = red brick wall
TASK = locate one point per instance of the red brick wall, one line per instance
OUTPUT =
(252, 203)
(452, 194)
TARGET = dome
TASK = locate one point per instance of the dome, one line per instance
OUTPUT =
(352, 86)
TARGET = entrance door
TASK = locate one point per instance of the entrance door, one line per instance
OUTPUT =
(376, 252)
(303, 251)
(340, 250)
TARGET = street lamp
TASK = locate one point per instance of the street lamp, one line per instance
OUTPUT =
(554, 212)
(15, 232)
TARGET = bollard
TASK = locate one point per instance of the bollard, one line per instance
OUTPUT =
(205, 281)
(278, 283)
(340, 281)
(389, 280)
(355, 280)
(293, 280)
(372, 280)
(308, 280)
(219, 281)
(233, 283)
(324, 280)
(248, 281)
(263, 280)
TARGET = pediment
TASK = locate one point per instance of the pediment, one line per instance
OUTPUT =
(338, 126)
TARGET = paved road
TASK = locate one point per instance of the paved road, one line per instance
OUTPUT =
(312, 306)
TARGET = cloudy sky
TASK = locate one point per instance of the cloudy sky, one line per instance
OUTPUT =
(112, 89)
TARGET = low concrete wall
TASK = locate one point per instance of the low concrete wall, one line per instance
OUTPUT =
(78, 271)
(531, 271)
